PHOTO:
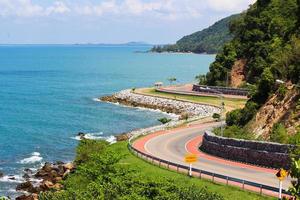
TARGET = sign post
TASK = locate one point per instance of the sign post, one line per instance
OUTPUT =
(190, 158)
(281, 175)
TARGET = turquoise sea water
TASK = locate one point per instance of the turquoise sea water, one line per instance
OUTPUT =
(47, 92)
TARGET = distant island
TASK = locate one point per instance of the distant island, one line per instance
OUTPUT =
(210, 40)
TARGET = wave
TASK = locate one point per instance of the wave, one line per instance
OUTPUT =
(12, 179)
(34, 158)
(96, 136)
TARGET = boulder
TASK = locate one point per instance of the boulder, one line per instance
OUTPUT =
(57, 179)
(28, 197)
(26, 186)
(53, 174)
(1, 174)
(67, 172)
(122, 137)
(26, 176)
(69, 166)
(47, 167)
(46, 185)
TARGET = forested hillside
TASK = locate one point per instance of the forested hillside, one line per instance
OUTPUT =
(266, 38)
(209, 40)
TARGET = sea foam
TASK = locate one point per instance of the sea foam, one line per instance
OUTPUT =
(97, 136)
(35, 157)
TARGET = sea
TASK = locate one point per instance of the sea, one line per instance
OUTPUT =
(48, 94)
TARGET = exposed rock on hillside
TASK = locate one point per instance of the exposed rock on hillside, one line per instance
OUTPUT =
(278, 109)
(237, 76)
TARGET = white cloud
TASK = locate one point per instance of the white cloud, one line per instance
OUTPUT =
(163, 9)
(26, 8)
(230, 5)
(58, 7)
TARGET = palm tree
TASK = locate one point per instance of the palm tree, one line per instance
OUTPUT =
(172, 79)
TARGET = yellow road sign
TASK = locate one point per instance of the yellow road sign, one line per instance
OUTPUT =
(281, 174)
(190, 158)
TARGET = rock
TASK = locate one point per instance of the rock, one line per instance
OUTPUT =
(28, 197)
(67, 172)
(47, 167)
(1, 174)
(53, 174)
(26, 176)
(57, 179)
(11, 177)
(46, 185)
(57, 186)
(26, 186)
(41, 173)
(81, 134)
(122, 137)
(24, 197)
(28, 171)
(69, 166)
(61, 170)
(59, 163)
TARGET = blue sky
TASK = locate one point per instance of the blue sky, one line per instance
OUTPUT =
(109, 21)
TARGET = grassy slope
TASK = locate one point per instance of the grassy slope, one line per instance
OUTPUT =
(230, 103)
(149, 170)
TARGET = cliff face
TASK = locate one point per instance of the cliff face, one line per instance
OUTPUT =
(237, 76)
(278, 109)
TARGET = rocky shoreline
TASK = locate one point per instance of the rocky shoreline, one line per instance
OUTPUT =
(128, 98)
(47, 178)
(51, 174)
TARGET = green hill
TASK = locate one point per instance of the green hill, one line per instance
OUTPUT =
(209, 40)
(266, 41)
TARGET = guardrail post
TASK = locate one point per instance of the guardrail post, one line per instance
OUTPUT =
(213, 177)
(159, 164)
(177, 168)
(243, 184)
(226, 180)
(260, 190)
(168, 165)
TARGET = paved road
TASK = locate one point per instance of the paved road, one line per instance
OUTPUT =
(173, 145)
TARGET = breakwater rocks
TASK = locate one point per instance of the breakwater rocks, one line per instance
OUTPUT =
(128, 98)
(49, 178)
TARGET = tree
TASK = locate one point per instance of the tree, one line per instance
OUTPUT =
(201, 79)
(172, 79)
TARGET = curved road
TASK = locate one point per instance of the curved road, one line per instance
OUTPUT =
(173, 145)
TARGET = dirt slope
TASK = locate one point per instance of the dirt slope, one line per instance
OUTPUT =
(283, 109)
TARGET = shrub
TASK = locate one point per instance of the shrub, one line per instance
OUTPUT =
(279, 134)
(216, 116)
(164, 120)
(103, 176)
(234, 132)
(282, 90)
(241, 117)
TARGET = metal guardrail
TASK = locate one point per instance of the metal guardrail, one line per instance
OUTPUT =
(177, 166)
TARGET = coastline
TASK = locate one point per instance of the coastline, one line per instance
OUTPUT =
(49, 175)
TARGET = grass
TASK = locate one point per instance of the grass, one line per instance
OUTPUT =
(147, 169)
(230, 103)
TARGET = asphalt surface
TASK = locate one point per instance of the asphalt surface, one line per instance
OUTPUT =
(171, 146)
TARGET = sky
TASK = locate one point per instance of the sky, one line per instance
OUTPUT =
(109, 21)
